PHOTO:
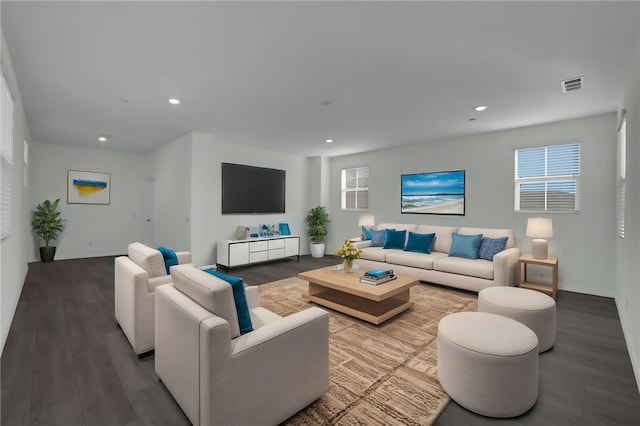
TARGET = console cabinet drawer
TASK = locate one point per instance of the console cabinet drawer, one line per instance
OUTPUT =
(276, 244)
(243, 252)
(258, 246)
(276, 253)
(258, 256)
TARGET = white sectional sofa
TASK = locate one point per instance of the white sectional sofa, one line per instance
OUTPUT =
(440, 268)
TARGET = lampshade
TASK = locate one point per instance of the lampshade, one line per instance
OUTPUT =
(539, 228)
(366, 220)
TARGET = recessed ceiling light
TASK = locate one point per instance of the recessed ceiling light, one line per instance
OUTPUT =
(102, 139)
(480, 108)
(174, 101)
(329, 140)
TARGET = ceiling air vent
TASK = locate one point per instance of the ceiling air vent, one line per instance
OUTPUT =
(572, 84)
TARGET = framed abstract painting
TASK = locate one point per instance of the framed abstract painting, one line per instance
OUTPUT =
(433, 193)
(88, 187)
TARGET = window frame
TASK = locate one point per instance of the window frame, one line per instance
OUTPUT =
(344, 190)
(6, 156)
(621, 174)
(547, 179)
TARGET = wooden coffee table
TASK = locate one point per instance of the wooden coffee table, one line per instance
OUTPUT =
(344, 293)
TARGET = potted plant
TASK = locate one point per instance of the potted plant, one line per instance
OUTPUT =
(348, 253)
(317, 221)
(46, 222)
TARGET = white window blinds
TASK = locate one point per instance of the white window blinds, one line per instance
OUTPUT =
(6, 157)
(355, 188)
(622, 173)
(547, 179)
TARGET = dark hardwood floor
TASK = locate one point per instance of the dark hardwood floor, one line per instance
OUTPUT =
(66, 362)
(585, 379)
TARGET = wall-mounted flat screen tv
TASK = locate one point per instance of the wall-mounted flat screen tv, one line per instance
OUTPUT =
(433, 193)
(250, 190)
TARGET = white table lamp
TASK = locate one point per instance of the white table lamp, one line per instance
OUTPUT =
(539, 228)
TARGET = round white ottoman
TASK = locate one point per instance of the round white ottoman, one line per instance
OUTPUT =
(532, 308)
(488, 363)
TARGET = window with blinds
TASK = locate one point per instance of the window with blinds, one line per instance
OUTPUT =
(622, 173)
(547, 179)
(6, 157)
(355, 188)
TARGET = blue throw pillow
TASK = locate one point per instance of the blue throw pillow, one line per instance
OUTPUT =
(394, 239)
(377, 237)
(491, 246)
(366, 232)
(420, 243)
(465, 245)
(170, 258)
(240, 297)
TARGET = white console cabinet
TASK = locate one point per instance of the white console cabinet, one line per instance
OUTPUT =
(244, 252)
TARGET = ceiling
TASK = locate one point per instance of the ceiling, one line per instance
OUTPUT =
(286, 76)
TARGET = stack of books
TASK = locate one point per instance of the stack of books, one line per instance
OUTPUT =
(377, 276)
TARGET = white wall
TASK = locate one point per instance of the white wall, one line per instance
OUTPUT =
(318, 186)
(584, 242)
(628, 249)
(13, 249)
(172, 165)
(208, 225)
(89, 230)
(314, 178)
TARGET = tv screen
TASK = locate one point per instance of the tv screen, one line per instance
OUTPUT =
(249, 189)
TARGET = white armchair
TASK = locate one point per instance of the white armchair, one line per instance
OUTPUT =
(136, 278)
(219, 377)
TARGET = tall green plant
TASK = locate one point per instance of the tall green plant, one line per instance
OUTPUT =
(317, 221)
(46, 221)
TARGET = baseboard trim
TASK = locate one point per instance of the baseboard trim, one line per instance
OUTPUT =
(632, 353)
(590, 291)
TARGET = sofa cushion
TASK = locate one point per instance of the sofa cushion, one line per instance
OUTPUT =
(489, 247)
(479, 268)
(378, 254)
(414, 259)
(394, 239)
(491, 233)
(366, 233)
(420, 243)
(239, 297)
(442, 242)
(466, 246)
(261, 317)
(212, 293)
(147, 258)
(377, 237)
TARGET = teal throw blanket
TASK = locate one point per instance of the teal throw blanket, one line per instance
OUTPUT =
(170, 258)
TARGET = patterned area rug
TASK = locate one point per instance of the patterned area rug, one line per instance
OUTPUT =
(379, 375)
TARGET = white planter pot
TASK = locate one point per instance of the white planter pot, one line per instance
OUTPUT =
(317, 249)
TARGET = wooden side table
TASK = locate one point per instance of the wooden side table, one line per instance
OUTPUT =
(524, 282)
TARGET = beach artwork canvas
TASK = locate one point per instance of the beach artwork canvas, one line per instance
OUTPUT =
(88, 187)
(433, 193)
